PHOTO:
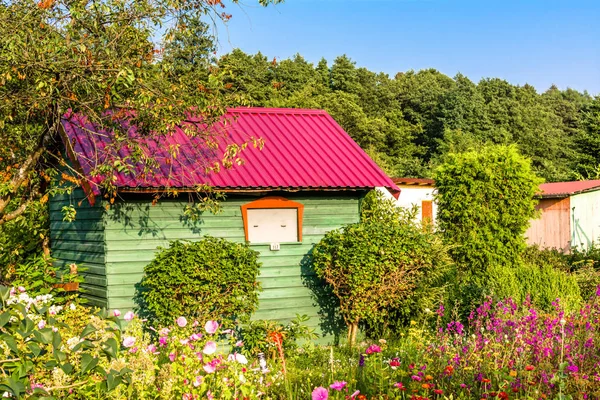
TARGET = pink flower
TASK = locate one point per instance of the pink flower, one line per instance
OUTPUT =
(196, 336)
(210, 347)
(353, 395)
(164, 332)
(13, 291)
(116, 313)
(184, 342)
(151, 349)
(373, 349)
(181, 322)
(198, 381)
(209, 395)
(129, 316)
(162, 341)
(239, 344)
(320, 393)
(172, 357)
(400, 386)
(128, 341)
(211, 327)
(133, 350)
(21, 289)
(41, 324)
(338, 385)
(209, 368)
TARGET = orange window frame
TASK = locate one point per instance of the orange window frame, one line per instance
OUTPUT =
(273, 202)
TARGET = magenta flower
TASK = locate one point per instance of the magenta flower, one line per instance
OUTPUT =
(320, 393)
(211, 327)
(338, 385)
(129, 316)
(373, 349)
(162, 341)
(210, 347)
(181, 322)
(128, 341)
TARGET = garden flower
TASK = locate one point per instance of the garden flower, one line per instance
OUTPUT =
(181, 322)
(241, 358)
(128, 341)
(196, 336)
(338, 385)
(162, 341)
(164, 332)
(353, 395)
(438, 391)
(133, 350)
(198, 381)
(172, 357)
(373, 349)
(209, 368)
(400, 386)
(151, 349)
(129, 316)
(573, 368)
(21, 289)
(320, 393)
(239, 344)
(529, 368)
(361, 361)
(211, 327)
(41, 324)
(72, 306)
(210, 347)
(394, 363)
(116, 313)
(416, 378)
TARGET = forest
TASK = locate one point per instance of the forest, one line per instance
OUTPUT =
(409, 122)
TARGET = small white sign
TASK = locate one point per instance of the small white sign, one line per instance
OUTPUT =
(275, 247)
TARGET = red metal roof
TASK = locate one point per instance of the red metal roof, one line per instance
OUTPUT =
(565, 189)
(303, 149)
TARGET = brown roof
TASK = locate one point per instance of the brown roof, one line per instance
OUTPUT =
(565, 189)
(414, 181)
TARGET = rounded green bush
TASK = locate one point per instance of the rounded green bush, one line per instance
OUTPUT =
(212, 279)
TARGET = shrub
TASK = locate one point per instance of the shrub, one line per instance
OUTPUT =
(209, 279)
(374, 268)
(485, 201)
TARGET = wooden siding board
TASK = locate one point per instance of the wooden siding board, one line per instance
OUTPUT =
(131, 242)
(80, 242)
(552, 228)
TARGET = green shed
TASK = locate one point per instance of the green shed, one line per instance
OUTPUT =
(308, 179)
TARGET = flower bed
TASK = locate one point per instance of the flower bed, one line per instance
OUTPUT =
(506, 351)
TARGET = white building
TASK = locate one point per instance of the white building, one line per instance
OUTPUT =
(415, 192)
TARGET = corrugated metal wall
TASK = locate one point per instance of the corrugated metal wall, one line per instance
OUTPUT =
(134, 229)
(552, 229)
(80, 242)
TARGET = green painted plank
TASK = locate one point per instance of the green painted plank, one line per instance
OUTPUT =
(87, 247)
(285, 303)
(281, 282)
(290, 271)
(173, 234)
(88, 236)
(94, 269)
(76, 256)
(277, 293)
(286, 313)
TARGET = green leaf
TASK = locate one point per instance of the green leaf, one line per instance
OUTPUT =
(111, 347)
(4, 318)
(34, 348)
(61, 356)
(43, 335)
(113, 379)
(89, 328)
(10, 342)
(88, 363)
(67, 368)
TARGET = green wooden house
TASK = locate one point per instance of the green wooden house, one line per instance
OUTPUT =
(308, 179)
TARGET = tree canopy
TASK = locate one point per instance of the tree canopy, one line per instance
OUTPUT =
(408, 123)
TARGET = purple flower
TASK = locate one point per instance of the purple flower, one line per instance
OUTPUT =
(338, 385)
(320, 393)
(573, 369)
(361, 361)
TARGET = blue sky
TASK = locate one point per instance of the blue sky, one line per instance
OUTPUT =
(540, 42)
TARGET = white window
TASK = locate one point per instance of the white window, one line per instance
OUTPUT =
(272, 225)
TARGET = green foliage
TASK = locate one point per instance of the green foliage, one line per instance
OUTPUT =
(209, 279)
(37, 346)
(485, 201)
(381, 269)
(585, 263)
(378, 209)
(263, 336)
(541, 283)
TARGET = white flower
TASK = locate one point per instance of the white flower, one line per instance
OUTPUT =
(563, 321)
(72, 306)
(241, 358)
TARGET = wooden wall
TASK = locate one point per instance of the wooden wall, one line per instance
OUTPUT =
(552, 228)
(80, 242)
(131, 231)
